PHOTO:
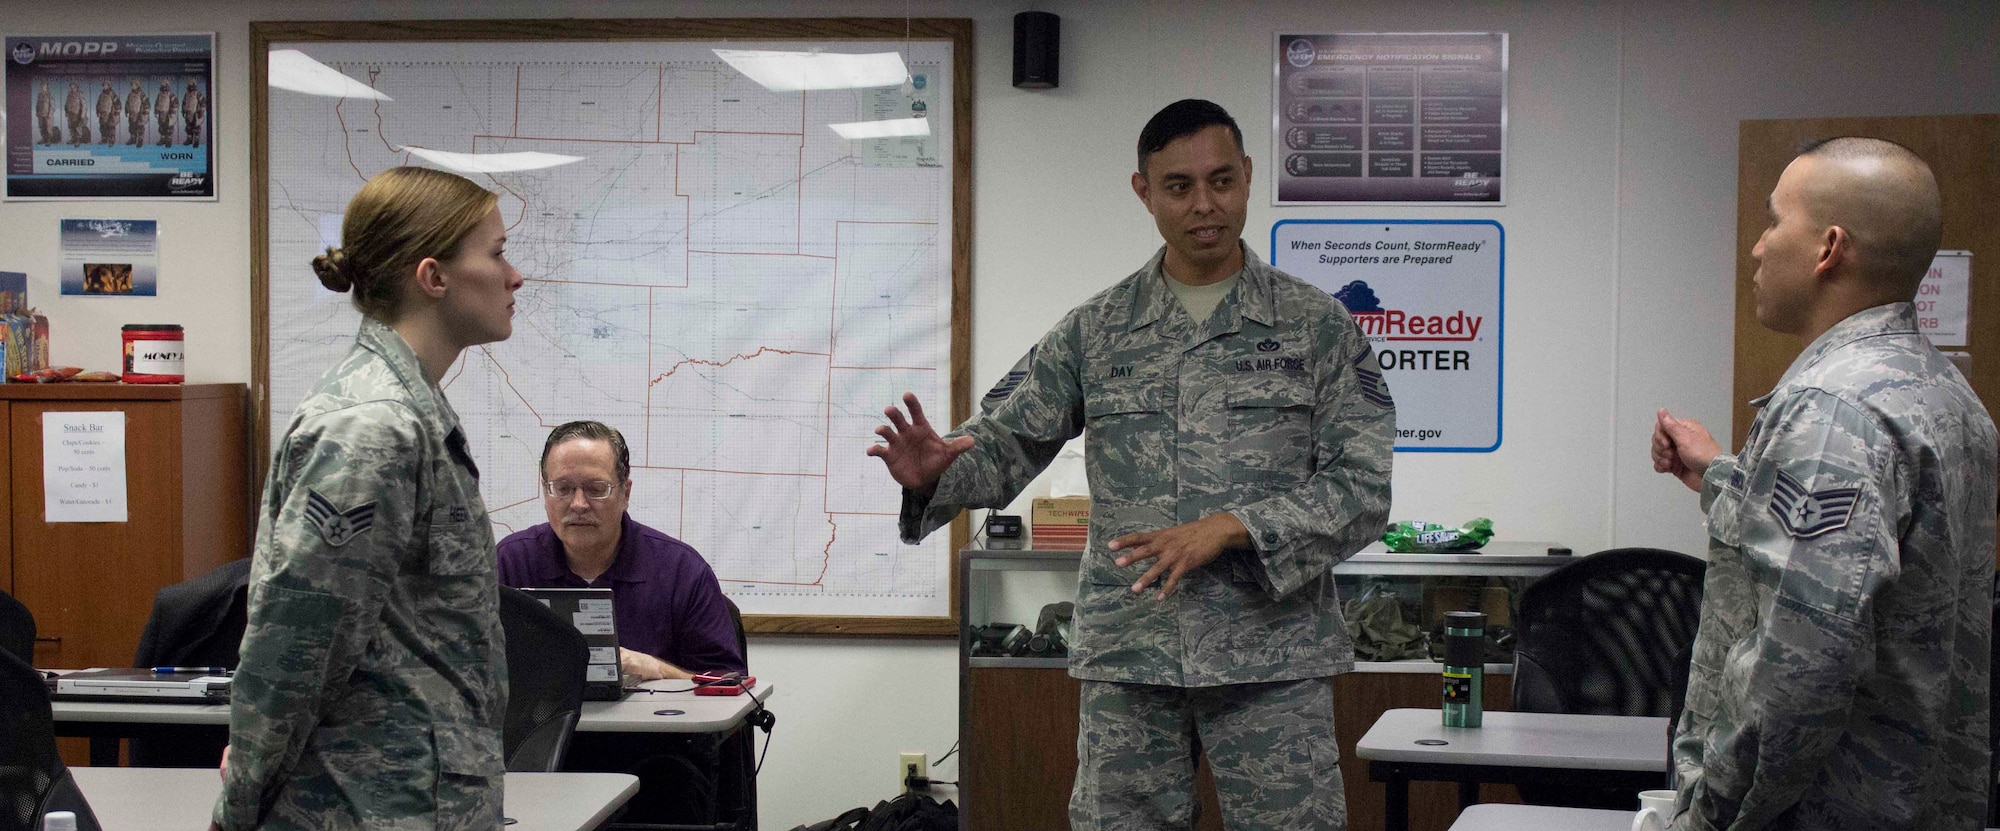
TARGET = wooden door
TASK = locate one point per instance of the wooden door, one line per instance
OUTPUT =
(1964, 152)
(90, 585)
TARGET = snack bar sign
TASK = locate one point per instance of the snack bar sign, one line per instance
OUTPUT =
(1429, 295)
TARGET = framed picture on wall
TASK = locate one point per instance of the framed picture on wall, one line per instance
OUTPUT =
(110, 117)
(1389, 118)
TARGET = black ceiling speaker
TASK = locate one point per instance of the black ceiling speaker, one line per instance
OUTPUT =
(1036, 39)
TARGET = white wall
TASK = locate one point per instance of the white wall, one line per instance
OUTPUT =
(1620, 230)
(1689, 75)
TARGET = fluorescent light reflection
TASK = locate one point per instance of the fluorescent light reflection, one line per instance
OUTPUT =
(293, 70)
(891, 128)
(491, 162)
(795, 71)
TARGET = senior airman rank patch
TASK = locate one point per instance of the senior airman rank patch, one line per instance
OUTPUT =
(1807, 514)
(336, 526)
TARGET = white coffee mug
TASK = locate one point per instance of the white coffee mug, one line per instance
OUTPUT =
(1656, 811)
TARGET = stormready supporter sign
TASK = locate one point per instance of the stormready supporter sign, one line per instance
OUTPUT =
(1429, 294)
(110, 117)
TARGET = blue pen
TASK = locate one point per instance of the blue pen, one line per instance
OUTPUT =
(203, 670)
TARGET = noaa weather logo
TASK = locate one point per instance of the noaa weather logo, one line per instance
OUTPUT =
(919, 81)
(24, 53)
(1300, 53)
(1358, 297)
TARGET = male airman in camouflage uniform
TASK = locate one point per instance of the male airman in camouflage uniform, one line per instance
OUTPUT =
(1239, 446)
(373, 681)
(138, 109)
(1839, 678)
(164, 107)
(108, 110)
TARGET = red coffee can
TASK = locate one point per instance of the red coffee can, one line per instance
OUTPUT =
(155, 353)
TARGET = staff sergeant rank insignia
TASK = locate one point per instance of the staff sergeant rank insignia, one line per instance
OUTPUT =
(336, 526)
(1806, 514)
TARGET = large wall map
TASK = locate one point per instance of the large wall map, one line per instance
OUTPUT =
(722, 277)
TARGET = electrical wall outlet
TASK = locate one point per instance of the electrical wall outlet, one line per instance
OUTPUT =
(909, 765)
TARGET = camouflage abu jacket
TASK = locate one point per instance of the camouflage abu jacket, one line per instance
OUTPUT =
(1839, 678)
(1273, 410)
(373, 680)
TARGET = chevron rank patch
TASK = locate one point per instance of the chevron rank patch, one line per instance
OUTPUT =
(1807, 514)
(1372, 387)
(336, 526)
(1010, 383)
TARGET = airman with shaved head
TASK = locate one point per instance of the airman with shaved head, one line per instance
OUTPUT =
(1839, 678)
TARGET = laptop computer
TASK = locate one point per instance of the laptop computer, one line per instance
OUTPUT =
(589, 610)
(141, 685)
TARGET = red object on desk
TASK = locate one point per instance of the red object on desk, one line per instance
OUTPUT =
(731, 684)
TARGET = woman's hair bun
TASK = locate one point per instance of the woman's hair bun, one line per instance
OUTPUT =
(333, 270)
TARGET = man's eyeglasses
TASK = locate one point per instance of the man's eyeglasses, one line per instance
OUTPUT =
(591, 490)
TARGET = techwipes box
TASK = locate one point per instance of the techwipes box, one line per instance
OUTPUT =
(1060, 523)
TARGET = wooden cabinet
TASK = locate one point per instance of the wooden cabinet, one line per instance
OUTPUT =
(91, 585)
(1018, 716)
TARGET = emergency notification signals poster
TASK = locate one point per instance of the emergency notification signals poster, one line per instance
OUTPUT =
(1429, 295)
(1415, 118)
(110, 117)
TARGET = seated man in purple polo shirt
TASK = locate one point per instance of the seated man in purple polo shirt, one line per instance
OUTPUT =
(672, 619)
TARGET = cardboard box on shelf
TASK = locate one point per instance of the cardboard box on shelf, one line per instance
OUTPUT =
(25, 338)
(1060, 523)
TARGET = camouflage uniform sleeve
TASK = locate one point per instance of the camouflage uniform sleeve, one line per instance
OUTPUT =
(338, 519)
(1301, 534)
(1022, 424)
(1821, 509)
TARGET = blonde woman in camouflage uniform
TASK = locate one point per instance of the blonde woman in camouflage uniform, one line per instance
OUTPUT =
(1839, 678)
(372, 686)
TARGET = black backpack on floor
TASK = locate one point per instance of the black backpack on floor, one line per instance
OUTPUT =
(909, 812)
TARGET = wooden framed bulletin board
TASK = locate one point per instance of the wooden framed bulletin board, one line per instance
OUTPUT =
(1964, 153)
(711, 268)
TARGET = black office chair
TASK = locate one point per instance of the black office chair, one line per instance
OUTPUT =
(1609, 634)
(736, 756)
(17, 629)
(546, 661)
(33, 779)
(197, 623)
(1993, 721)
(694, 782)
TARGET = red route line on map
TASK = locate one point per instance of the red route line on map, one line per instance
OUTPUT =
(345, 144)
(757, 254)
(733, 472)
(733, 359)
(648, 286)
(378, 130)
(516, 504)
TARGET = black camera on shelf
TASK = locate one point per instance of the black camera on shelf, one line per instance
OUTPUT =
(1009, 640)
(1049, 639)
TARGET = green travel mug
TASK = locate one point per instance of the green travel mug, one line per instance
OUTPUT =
(1464, 648)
